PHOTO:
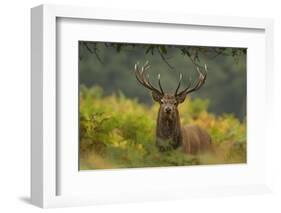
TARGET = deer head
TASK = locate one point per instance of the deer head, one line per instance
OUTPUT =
(168, 122)
(168, 101)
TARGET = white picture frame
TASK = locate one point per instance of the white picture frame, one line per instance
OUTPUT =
(49, 167)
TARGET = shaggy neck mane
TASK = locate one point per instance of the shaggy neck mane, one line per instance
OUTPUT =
(168, 128)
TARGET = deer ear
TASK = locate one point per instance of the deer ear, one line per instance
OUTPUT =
(181, 98)
(156, 96)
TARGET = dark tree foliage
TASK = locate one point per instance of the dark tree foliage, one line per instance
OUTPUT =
(110, 66)
(192, 52)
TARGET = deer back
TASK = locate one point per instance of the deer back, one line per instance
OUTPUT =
(195, 140)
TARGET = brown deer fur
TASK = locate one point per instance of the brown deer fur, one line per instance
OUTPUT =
(169, 134)
(195, 140)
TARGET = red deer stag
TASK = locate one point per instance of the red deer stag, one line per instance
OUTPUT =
(170, 135)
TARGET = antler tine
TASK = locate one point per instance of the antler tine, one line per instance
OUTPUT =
(143, 77)
(140, 76)
(148, 82)
(198, 85)
(159, 83)
(137, 74)
(179, 84)
(146, 63)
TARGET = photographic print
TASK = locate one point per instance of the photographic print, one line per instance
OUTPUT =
(160, 105)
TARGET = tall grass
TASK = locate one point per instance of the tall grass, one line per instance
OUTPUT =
(118, 132)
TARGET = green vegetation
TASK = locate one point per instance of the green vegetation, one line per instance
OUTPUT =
(119, 132)
(117, 129)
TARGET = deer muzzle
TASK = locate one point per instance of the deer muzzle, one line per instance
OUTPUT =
(167, 109)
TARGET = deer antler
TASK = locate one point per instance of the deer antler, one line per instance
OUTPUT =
(197, 86)
(143, 78)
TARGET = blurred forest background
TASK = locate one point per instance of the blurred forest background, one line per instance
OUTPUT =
(118, 116)
(110, 65)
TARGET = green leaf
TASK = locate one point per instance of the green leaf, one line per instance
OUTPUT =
(163, 49)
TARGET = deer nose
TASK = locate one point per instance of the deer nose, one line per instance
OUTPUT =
(167, 109)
